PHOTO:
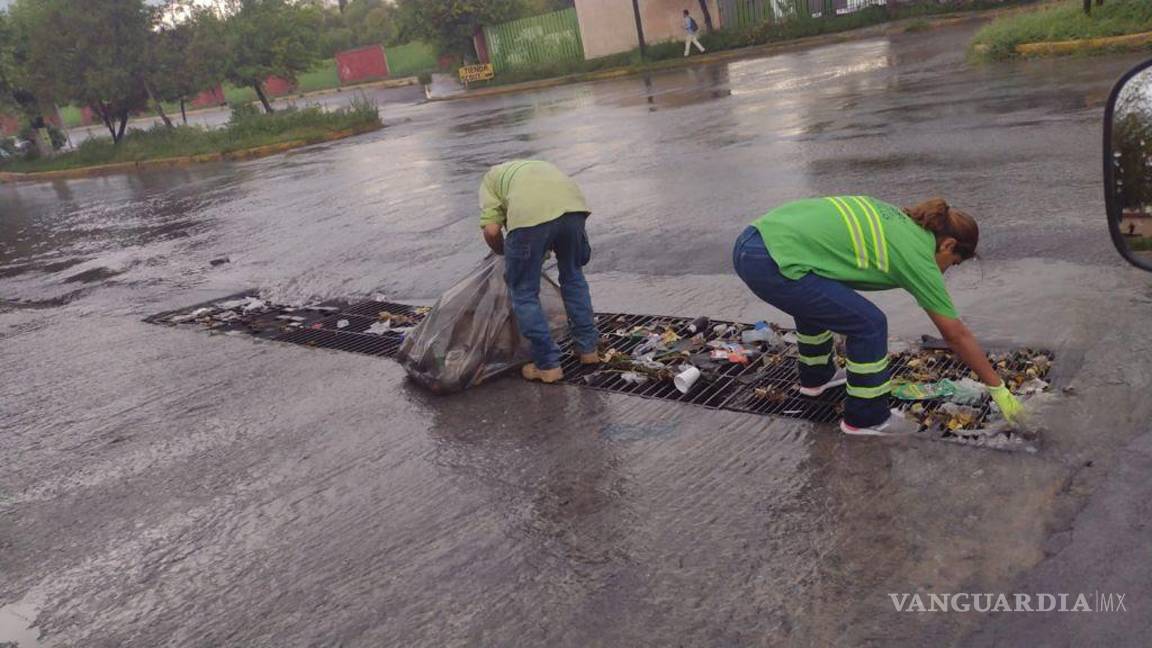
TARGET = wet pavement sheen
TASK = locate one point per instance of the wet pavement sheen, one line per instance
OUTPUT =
(164, 488)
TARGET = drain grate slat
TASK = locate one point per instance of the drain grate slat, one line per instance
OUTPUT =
(377, 345)
(372, 309)
(766, 385)
(352, 323)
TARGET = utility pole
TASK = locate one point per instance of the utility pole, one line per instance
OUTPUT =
(639, 27)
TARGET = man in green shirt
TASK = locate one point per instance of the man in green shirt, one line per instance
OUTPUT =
(527, 209)
(808, 258)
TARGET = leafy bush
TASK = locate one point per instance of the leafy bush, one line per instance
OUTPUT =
(242, 111)
(56, 136)
(247, 128)
(1062, 22)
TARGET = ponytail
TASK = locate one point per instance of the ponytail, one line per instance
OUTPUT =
(944, 222)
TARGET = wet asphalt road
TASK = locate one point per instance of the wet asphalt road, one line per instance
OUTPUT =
(159, 487)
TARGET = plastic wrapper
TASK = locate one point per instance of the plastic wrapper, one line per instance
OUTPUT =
(470, 335)
(962, 392)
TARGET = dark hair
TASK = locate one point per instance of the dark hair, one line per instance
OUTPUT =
(944, 222)
(685, 12)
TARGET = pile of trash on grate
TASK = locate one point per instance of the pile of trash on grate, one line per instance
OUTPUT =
(248, 314)
(942, 394)
(389, 322)
(667, 350)
(930, 385)
(717, 364)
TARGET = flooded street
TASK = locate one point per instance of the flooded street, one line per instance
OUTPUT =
(159, 487)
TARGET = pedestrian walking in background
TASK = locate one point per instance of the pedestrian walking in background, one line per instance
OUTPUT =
(690, 31)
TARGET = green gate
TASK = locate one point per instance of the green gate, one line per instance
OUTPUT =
(535, 42)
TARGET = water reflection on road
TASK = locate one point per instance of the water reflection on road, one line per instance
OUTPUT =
(160, 487)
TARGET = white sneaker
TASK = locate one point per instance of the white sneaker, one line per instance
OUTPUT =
(896, 425)
(839, 378)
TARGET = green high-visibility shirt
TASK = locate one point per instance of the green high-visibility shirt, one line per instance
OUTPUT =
(860, 241)
(526, 193)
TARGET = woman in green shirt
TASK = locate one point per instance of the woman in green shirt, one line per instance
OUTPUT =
(808, 258)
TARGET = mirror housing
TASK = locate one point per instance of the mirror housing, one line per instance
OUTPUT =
(1128, 165)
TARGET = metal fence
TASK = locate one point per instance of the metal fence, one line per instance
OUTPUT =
(738, 14)
(535, 41)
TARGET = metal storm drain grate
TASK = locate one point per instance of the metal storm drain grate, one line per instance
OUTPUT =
(742, 367)
(372, 328)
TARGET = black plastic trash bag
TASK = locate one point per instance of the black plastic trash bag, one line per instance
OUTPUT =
(470, 335)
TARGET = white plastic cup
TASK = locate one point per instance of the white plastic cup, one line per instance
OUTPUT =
(685, 379)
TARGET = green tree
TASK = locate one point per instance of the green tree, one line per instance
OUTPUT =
(451, 24)
(372, 21)
(16, 99)
(89, 54)
(271, 38)
(1132, 143)
(186, 57)
(361, 23)
(1088, 6)
(8, 68)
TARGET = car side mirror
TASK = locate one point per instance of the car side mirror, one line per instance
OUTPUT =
(1128, 165)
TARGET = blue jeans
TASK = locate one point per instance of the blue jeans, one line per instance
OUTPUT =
(524, 252)
(821, 306)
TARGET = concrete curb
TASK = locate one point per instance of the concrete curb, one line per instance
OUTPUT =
(1056, 48)
(383, 83)
(182, 161)
(756, 51)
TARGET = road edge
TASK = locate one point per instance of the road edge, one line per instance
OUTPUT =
(1058, 48)
(184, 160)
(755, 51)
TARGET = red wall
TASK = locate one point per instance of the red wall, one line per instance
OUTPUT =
(207, 98)
(275, 86)
(10, 125)
(362, 64)
(448, 62)
(13, 124)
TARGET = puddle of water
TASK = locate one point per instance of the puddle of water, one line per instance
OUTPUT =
(636, 432)
(16, 624)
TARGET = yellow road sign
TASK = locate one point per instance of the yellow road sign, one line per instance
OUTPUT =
(470, 73)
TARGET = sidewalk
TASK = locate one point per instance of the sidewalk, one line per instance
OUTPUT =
(756, 51)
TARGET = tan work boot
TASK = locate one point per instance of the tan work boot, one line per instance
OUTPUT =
(546, 376)
(589, 358)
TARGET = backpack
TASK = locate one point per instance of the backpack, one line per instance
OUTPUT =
(692, 26)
